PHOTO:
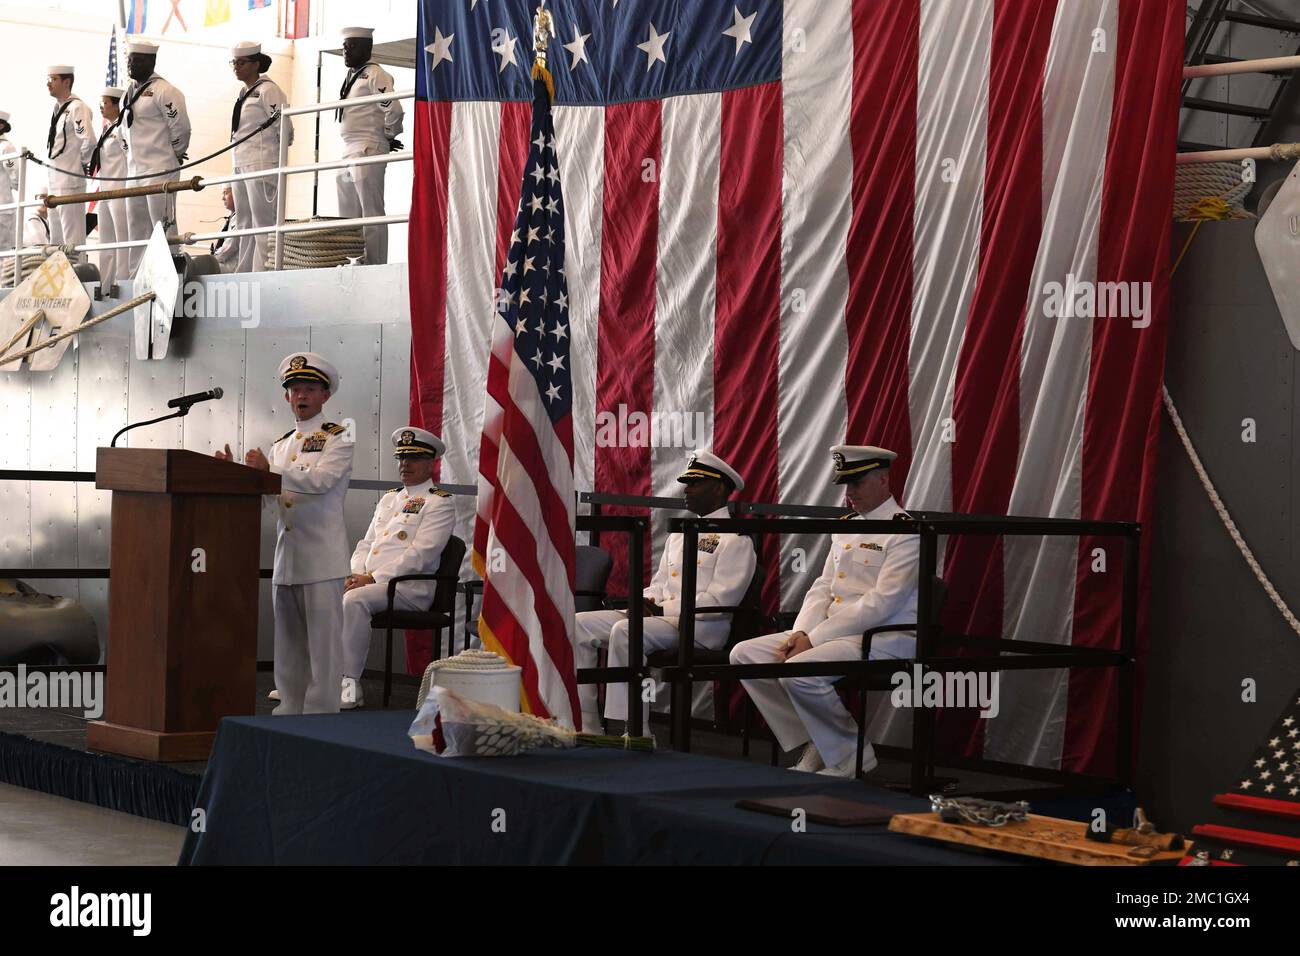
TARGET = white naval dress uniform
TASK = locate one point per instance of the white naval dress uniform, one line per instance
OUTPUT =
(366, 131)
(157, 136)
(314, 462)
(112, 212)
(226, 251)
(868, 580)
(406, 536)
(72, 142)
(8, 179)
(724, 565)
(255, 199)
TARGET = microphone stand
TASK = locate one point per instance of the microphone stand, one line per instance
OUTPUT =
(179, 413)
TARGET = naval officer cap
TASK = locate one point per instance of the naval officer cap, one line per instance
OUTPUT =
(358, 33)
(854, 461)
(308, 367)
(412, 442)
(143, 47)
(704, 465)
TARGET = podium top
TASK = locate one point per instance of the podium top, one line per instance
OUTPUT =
(180, 472)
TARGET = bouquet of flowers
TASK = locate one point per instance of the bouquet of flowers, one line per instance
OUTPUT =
(451, 725)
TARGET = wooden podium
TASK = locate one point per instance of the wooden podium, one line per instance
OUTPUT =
(182, 624)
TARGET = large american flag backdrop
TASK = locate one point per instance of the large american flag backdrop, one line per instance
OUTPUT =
(818, 221)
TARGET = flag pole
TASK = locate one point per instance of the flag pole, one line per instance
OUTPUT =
(543, 30)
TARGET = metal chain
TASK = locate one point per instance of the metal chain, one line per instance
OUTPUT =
(981, 812)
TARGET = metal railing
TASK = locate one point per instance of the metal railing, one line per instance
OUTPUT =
(280, 171)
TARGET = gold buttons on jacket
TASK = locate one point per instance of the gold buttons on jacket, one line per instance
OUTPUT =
(297, 434)
(839, 600)
(847, 547)
(674, 574)
(293, 457)
(840, 575)
(375, 551)
(401, 536)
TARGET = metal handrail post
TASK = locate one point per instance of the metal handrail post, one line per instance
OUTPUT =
(279, 193)
(635, 632)
(923, 718)
(681, 689)
(18, 219)
(1128, 627)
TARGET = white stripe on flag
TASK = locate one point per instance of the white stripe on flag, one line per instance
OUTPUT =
(685, 284)
(580, 143)
(817, 177)
(1040, 574)
(471, 263)
(954, 50)
(952, 102)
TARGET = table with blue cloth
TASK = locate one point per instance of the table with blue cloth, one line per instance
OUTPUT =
(352, 789)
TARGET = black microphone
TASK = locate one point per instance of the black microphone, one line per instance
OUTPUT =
(185, 401)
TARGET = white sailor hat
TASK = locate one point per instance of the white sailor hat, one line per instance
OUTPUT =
(410, 442)
(4, 117)
(57, 69)
(363, 33)
(142, 46)
(116, 92)
(854, 461)
(246, 48)
(308, 367)
(705, 464)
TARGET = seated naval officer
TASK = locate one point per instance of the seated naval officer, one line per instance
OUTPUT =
(724, 565)
(868, 580)
(314, 462)
(406, 536)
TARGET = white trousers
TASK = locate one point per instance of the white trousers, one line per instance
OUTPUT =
(68, 223)
(143, 211)
(112, 228)
(254, 208)
(799, 709)
(359, 605)
(596, 629)
(308, 651)
(361, 193)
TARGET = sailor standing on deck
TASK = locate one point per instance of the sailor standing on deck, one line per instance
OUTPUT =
(406, 536)
(109, 159)
(68, 147)
(368, 130)
(868, 580)
(8, 178)
(157, 137)
(314, 462)
(255, 199)
(724, 565)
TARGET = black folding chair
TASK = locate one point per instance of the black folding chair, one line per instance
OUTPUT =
(747, 621)
(861, 684)
(440, 615)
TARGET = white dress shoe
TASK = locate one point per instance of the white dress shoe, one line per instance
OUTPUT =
(846, 769)
(810, 761)
(352, 696)
(274, 695)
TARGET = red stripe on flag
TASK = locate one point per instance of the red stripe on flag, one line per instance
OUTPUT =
(427, 273)
(747, 316)
(986, 398)
(1121, 429)
(625, 353)
(882, 133)
(513, 153)
(1277, 808)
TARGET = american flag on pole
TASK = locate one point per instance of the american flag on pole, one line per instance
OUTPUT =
(524, 527)
(824, 221)
(110, 76)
